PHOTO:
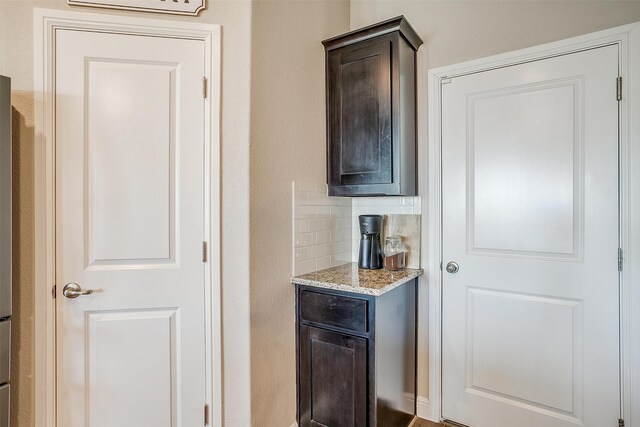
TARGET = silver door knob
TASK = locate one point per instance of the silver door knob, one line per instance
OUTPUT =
(452, 267)
(73, 290)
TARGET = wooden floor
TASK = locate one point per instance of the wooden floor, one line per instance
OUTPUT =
(419, 422)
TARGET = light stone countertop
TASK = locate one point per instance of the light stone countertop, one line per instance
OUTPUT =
(350, 278)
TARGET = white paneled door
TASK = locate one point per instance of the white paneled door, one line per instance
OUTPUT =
(130, 225)
(530, 217)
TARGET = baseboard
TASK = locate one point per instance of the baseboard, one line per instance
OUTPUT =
(422, 407)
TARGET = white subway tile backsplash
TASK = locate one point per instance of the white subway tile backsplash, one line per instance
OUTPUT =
(322, 237)
(340, 259)
(321, 228)
(344, 246)
(324, 262)
(303, 254)
(323, 211)
(390, 201)
(316, 224)
(339, 236)
(326, 231)
(343, 224)
(340, 212)
(306, 212)
(380, 206)
(305, 267)
(406, 210)
(302, 197)
(319, 251)
(305, 239)
(394, 209)
(366, 201)
(318, 199)
(330, 224)
(342, 201)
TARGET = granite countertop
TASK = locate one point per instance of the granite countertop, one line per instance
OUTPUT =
(350, 278)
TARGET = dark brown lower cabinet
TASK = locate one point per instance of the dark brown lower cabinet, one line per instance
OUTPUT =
(333, 377)
(356, 357)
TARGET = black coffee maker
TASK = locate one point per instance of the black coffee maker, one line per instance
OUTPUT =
(370, 248)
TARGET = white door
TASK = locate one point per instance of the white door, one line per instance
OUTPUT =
(530, 215)
(130, 226)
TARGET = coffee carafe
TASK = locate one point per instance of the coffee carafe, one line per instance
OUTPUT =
(370, 248)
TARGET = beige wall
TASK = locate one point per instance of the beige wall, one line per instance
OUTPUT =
(287, 144)
(457, 31)
(16, 48)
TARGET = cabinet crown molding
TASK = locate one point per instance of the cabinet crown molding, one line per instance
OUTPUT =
(398, 23)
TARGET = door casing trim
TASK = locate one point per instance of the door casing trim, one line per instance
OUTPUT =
(627, 38)
(46, 23)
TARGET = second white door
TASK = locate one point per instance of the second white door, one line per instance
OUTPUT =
(530, 217)
(130, 124)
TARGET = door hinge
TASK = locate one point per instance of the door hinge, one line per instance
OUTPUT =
(620, 259)
(205, 88)
(204, 251)
(619, 88)
(620, 422)
(206, 415)
(53, 291)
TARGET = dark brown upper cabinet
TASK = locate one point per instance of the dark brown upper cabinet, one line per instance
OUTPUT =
(371, 110)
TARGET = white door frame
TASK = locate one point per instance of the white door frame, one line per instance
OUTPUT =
(46, 23)
(627, 38)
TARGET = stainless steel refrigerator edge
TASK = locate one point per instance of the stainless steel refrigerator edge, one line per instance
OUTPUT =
(5, 247)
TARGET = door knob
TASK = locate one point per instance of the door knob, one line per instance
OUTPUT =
(73, 290)
(452, 267)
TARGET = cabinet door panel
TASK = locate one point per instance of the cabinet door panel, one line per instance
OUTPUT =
(333, 369)
(360, 113)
